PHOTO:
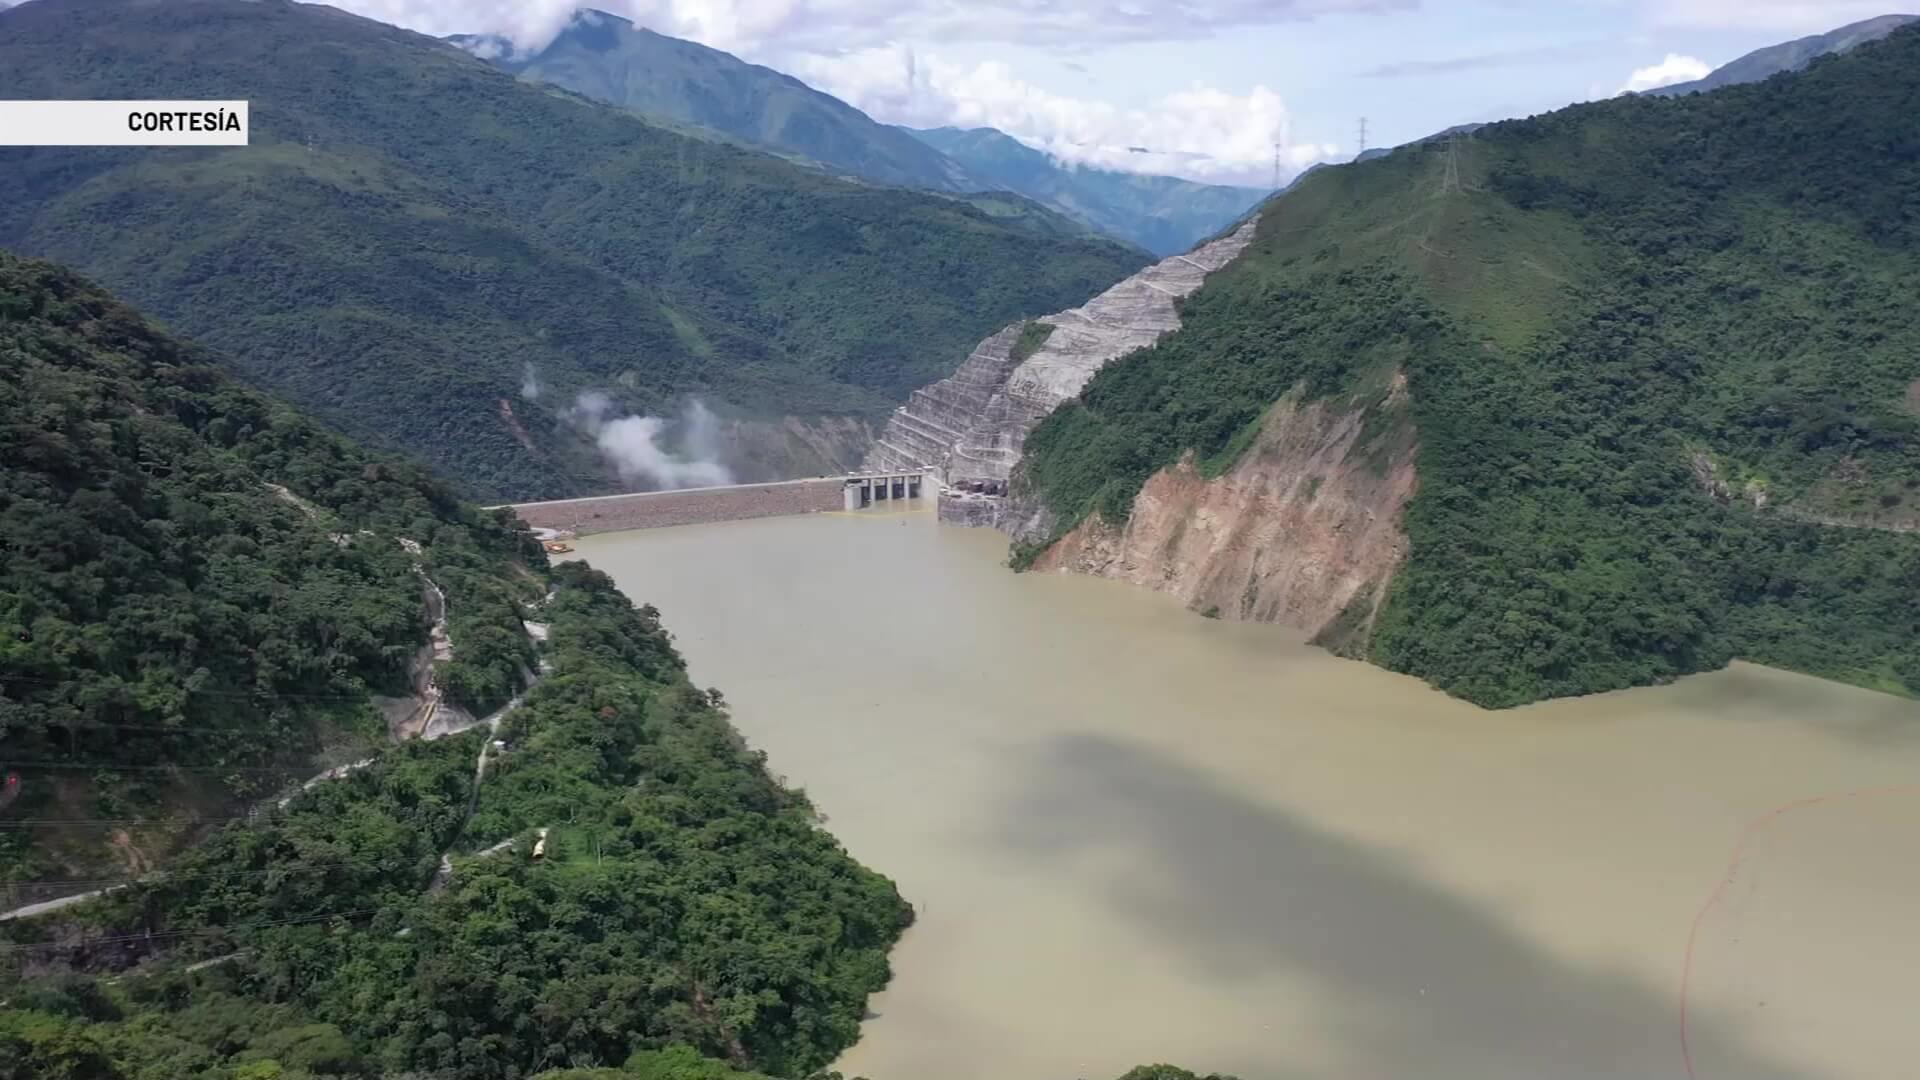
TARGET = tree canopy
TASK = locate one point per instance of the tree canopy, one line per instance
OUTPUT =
(410, 232)
(1661, 356)
(202, 587)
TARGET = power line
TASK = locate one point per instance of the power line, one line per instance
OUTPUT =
(106, 767)
(122, 939)
(108, 725)
(250, 695)
(25, 823)
(161, 876)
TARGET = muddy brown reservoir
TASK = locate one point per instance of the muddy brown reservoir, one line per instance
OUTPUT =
(1137, 835)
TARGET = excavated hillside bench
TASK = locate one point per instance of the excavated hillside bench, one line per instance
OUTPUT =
(973, 424)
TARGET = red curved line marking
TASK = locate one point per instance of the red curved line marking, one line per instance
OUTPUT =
(1733, 867)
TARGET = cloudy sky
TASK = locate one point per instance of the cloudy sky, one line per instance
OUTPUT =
(1207, 87)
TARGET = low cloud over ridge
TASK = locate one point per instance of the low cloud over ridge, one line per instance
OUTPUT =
(1674, 69)
(858, 51)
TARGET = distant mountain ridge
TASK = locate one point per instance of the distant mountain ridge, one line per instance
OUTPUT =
(1790, 56)
(1163, 214)
(1585, 401)
(1755, 66)
(608, 58)
(411, 230)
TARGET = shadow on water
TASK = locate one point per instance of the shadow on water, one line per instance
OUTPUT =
(1748, 690)
(1759, 694)
(1417, 983)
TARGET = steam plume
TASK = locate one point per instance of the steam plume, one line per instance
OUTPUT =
(636, 445)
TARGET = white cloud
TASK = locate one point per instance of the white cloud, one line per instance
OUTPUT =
(1785, 16)
(637, 446)
(853, 49)
(821, 25)
(1201, 132)
(1674, 69)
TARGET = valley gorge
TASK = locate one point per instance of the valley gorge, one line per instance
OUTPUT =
(1305, 526)
(1454, 620)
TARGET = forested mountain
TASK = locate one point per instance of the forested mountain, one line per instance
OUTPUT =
(412, 232)
(1164, 214)
(202, 589)
(609, 59)
(195, 575)
(1660, 359)
(1790, 56)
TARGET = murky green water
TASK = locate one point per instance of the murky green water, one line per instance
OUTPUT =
(1138, 835)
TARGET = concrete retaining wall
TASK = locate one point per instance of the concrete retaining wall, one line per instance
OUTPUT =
(976, 512)
(693, 506)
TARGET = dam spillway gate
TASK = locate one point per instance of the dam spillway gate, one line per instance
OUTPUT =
(865, 490)
(562, 518)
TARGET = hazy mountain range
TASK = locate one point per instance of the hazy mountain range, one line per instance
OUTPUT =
(1164, 214)
(440, 257)
(608, 58)
(1790, 56)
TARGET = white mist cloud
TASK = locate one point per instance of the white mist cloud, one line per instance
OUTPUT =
(636, 446)
(1674, 69)
(855, 50)
(758, 27)
(1784, 16)
(530, 383)
(1202, 131)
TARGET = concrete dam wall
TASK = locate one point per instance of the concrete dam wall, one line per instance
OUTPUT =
(690, 506)
(696, 506)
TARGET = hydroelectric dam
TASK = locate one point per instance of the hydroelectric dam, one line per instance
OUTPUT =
(735, 502)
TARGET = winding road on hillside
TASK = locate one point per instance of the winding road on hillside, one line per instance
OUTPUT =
(537, 632)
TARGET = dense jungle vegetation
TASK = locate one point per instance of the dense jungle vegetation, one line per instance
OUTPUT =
(168, 614)
(411, 229)
(1662, 364)
(685, 898)
(167, 599)
(606, 57)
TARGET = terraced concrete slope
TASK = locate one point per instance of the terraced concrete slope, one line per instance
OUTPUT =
(972, 424)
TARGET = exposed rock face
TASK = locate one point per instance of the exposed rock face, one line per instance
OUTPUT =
(1303, 531)
(974, 423)
(783, 448)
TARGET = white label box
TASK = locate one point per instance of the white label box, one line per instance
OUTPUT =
(123, 123)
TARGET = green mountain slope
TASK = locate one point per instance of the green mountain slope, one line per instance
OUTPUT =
(1163, 214)
(1662, 356)
(1790, 56)
(196, 575)
(411, 229)
(200, 589)
(607, 58)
